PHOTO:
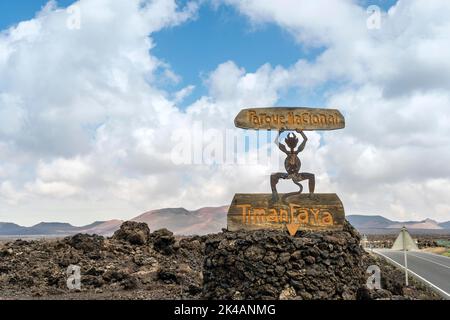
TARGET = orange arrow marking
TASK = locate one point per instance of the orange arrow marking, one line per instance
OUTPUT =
(292, 228)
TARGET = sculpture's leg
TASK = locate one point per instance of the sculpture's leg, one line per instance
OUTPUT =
(297, 180)
(311, 181)
(274, 179)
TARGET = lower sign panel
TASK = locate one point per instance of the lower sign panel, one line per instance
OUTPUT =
(292, 213)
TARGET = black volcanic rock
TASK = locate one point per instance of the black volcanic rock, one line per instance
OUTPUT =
(86, 243)
(163, 241)
(112, 268)
(427, 243)
(264, 265)
(269, 264)
(136, 233)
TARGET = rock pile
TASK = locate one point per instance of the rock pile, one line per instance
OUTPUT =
(387, 241)
(268, 264)
(136, 233)
(137, 264)
(163, 241)
(134, 264)
(426, 243)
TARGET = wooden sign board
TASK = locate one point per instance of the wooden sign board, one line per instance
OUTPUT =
(290, 119)
(298, 212)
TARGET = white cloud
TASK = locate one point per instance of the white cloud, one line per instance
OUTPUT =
(52, 189)
(11, 115)
(75, 104)
(92, 138)
(9, 194)
(183, 93)
(231, 88)
(71, 170)
(86, 133)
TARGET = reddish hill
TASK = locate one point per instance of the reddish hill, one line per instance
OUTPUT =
(105, 228)
(184, 222)
(428, 224)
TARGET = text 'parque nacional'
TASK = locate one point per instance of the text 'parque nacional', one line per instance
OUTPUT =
(290, 119)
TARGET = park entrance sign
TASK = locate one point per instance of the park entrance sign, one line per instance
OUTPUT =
(291, 211)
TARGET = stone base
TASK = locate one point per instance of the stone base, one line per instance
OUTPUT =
(268, 264)
(318, 212)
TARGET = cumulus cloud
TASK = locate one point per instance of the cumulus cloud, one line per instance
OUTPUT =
(404, 56)
(87, 133)
(78, 104)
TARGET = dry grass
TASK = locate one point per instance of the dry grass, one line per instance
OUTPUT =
(435, 250)
(438, 250)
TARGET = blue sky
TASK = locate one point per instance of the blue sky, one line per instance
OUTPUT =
(14, 11)
(247, 45)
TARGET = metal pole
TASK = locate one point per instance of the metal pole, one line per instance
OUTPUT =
(405, 256)
(406, 268)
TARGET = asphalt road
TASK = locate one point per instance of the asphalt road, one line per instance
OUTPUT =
(431, 268)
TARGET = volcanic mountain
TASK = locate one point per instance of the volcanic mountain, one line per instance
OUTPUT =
(58, 229)
(379, 224)
(181, 221)
(178, 220)
(205, 221)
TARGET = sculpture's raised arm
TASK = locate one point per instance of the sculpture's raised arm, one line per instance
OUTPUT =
(280, 145)
(305, 139)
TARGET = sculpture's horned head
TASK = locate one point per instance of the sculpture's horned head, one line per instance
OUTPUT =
(291, 140)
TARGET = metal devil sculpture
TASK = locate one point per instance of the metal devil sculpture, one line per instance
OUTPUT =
(292, 164)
